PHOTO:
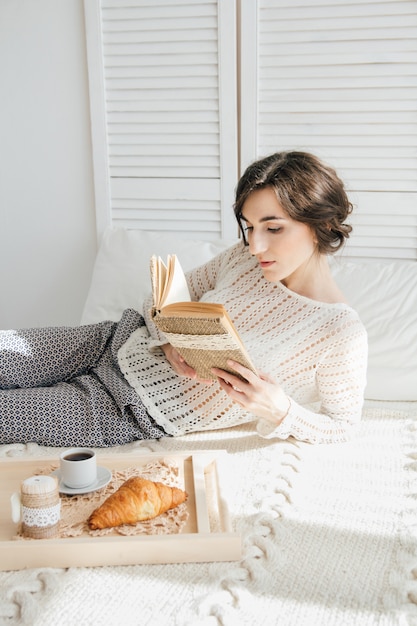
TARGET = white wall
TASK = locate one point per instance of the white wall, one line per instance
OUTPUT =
(47, 218)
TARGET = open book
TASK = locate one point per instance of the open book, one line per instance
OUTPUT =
(202, 332)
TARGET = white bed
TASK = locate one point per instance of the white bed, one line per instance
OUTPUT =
(329, 533)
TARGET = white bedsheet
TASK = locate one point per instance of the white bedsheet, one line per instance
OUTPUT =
(329, 537)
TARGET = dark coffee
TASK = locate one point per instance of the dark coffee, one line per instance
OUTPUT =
(78, 456)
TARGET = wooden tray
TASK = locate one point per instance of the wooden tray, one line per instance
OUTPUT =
(198, 541)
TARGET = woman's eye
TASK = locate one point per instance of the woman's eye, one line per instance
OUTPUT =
(270, 229)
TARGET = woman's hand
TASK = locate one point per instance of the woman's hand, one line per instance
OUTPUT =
(259, 395)
(179, 365)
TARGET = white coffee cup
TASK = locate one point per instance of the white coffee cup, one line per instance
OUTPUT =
(78, 467)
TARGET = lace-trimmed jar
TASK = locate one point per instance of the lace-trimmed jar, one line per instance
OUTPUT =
(38, 507)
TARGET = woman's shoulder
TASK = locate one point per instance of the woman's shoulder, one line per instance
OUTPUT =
(330, 310)
(345, 320)
(332, 294)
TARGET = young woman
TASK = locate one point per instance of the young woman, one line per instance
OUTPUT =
(111, 383)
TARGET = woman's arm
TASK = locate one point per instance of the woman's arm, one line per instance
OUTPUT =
(341, 380)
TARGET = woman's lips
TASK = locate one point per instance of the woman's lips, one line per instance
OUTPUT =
(265, 264)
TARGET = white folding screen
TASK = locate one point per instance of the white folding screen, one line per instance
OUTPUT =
(339, 78)
(163, 97)
(335, 77)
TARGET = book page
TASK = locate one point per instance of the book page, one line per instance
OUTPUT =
(158, 279)
(176, 288)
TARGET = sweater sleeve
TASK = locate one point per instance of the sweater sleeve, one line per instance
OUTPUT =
(341, 381)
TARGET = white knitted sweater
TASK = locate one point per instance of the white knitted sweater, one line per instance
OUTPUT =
(316, 351)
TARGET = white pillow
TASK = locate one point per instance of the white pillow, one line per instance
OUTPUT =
(385, 296)
(121, 277)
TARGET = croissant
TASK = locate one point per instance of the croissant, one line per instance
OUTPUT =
(136, 500)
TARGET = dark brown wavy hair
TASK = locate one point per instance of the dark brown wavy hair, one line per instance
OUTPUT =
(307, 189)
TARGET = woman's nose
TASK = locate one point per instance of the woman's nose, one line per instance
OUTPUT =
(257, 243)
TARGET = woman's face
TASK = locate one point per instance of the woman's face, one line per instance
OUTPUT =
(284, 247)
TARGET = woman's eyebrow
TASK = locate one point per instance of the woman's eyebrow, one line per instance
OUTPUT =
(267, 218)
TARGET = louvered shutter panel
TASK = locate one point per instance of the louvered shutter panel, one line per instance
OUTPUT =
(164, 114)
(339, 79)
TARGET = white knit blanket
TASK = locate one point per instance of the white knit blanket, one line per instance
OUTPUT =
(329, 537)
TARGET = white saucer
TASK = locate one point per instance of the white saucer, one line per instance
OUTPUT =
(103, 479)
